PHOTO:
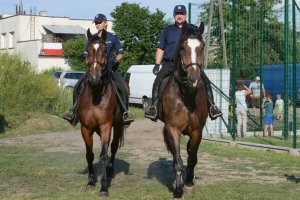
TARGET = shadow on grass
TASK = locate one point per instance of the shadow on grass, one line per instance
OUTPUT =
(120, 166)
(162, 170)
(3, 124)
(292, 178)
(266, 141)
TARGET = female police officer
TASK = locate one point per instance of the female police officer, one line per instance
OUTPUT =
(165, 53)
(114, 54)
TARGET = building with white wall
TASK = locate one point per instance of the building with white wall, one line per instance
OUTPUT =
(39, 38)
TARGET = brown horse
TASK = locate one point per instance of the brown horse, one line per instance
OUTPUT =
(185, 106)
(98, 112)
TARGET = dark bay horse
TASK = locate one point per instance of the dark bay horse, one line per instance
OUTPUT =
(98, 112)
(185, 106)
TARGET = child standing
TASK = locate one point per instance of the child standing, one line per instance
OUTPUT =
(268, 105)
(279, 104)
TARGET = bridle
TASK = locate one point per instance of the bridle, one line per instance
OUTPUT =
(103, 65)
(182, 76)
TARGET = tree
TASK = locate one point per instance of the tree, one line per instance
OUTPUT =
(248, 34)
(73, 50)
(139, 31)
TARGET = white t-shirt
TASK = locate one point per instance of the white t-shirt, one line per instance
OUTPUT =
(279, 102)
(256, 88)
(241, 99)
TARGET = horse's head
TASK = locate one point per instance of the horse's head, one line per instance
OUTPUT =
(191, 52)
(96, 58)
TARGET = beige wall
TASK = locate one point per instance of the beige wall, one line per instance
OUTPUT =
(27, 36)
(46, 62)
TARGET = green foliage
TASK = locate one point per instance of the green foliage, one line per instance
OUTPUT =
(23, 92)
(73, 50)
(50, 71)
(139, 29)
(249, 32)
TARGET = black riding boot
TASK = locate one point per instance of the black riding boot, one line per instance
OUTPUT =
(127, 116)
(72, 118)
(122, 95)
(151, 112)
(214, 111)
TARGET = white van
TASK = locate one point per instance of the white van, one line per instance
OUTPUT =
(140, 79)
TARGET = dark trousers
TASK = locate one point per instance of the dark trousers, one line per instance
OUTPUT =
(118, 79)
(167, 68)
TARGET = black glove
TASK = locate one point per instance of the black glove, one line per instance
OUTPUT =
(156, 69)
(111, 64)
(84, 55)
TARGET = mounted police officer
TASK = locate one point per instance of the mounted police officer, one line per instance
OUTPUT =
(165, 53)
(114, 54)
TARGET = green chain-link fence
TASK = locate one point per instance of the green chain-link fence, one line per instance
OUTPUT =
(255, 38)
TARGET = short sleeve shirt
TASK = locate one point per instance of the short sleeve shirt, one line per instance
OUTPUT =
(113, 45)
(241, 99)
(169, 41)
(255, 88)
(269, 108)
(279, 102)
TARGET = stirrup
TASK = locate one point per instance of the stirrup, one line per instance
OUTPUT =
(151, 113)
(214, 112)
(127, 117)
(72, 119)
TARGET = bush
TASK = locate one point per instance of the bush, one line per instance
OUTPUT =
(23, 92)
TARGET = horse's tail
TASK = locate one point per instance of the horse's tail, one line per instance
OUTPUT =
(165, 133)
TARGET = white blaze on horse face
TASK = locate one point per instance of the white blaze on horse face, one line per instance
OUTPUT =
(96, 46)
(193, 44)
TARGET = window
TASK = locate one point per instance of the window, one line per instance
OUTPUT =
(2, 41)
(11, 40)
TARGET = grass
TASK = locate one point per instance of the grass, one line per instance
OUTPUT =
(32, 172)
(29, 172)
(275, 140)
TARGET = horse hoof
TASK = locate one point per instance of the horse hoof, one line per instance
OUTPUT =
(89, 187)
(178, 194)
(189, 190)
(181, 198)
(103, 194)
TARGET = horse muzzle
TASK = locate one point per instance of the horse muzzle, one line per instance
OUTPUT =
(95, 80)
(192, 82)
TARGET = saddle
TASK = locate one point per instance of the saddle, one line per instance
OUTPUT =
(160, 94)
(189, 104)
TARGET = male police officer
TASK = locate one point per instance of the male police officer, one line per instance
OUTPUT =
(114, 54)
(165, 53)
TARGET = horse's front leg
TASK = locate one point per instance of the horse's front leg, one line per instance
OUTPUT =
(192, 149)
(87, 136)
(173, 136)
(118, 133)
(105, 139)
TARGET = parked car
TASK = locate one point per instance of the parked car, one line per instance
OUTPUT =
(68, 79)
(56, 76)
(140, 79)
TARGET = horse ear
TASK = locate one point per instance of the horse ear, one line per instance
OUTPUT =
(184, 27)
(89, 34)
(201, 28)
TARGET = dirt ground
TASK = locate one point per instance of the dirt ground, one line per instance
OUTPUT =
(144, 141)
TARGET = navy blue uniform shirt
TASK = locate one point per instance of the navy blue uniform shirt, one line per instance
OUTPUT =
(113, 45)
(169, 41)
